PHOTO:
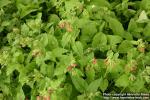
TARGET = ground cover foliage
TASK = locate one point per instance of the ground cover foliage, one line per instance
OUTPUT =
(73, 49)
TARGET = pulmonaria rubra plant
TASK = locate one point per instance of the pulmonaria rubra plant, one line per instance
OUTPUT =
(73, 49)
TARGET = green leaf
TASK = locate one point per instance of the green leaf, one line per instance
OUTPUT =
(116, 26)
(143, 17)
(128, 36)
(69, 5)
(58, 52)
(145, 4)
(1, 96)
(18, 57)
(102, 3)
(50, 70)
(23, 77)
(93, 87)
(52, 42)
(81, 97)
(137, 85)
(66, 39)
(20, 93)
(50, 56)
(79, 83)
(65, 62)
(132, 25)
(125, 46)
(85, 15)
(89, 28)
(60, 70)
(39, 60)
(5, 88)
(30, 67)
(114, 39)
(24, 30)
(78, 48)
(99, 41)
(146, 32)
(47, 70)
(90, 73)
(35, 25)
(57, 82)
(81, 22)
(44, 39)
(4, 3)
(78, 72)
(12, 67)
(134, 29)
(65, 93)
(26, 9)
(103, 84)
(122, 81)
(54, 18)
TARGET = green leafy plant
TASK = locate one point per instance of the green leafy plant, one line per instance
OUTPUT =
(73, 49)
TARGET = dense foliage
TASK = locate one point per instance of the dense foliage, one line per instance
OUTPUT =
(73, 49)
